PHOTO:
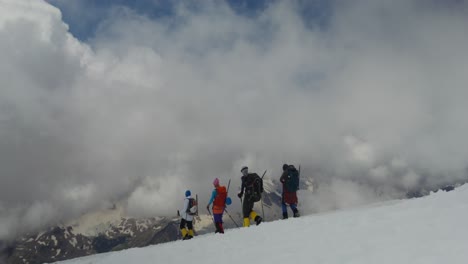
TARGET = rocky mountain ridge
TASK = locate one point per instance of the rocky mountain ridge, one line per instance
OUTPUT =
(109, 231)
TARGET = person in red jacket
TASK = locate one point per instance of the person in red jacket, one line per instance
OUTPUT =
(289, 195)
(218, 198)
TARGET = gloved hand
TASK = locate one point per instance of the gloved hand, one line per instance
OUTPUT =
(208, 207)
(239, 195)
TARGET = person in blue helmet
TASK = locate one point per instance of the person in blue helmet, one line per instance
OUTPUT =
(188, 212)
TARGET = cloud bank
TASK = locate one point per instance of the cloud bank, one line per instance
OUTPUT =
(371, 105)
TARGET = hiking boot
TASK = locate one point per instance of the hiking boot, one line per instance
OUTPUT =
(296, 213)
(285, 215)
(258, 219)
(187, 237)
(219, 228)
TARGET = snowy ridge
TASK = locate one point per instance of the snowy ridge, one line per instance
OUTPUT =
(425, 230)
(92, 224)
(112, 229)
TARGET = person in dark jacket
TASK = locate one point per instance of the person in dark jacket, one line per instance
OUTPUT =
(247, 191)
(288, 197)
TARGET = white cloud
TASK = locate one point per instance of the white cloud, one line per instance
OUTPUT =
(207, 91)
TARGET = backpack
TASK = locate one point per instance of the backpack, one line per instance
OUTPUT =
(192, 208)
(292, 183)
(257, 184)
(221, 194)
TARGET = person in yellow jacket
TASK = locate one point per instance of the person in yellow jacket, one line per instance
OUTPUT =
(189, 210)
(250, 197)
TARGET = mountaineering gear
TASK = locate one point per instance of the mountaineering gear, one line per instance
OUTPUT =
(289, 198)
(251, 189)
(218, 219)
(257, 187)
(186, 234)
(186, 223)
(247, 207)
(292, 181)
(261, 197)
(252, 216)
(192, 208)
(216, 182)
(187, 210)
(231, 218)
(218, 222)
(258, 219)
(285, 211)
(189, 235)
(219, 202)
(296, 213)
(218, 198)
(246, 222)
(245, 170)
(253, 186)
(228, 202)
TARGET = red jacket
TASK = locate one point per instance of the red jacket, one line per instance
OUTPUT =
(219, 200)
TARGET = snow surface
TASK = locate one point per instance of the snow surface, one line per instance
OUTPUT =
(431, 229)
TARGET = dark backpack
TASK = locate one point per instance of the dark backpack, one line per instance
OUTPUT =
(292, 183)
(192, 208)
(257, 187)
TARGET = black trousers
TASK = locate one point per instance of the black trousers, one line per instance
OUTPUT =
(184, 223)
(247, 206)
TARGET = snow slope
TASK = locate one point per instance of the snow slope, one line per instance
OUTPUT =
(432, 229)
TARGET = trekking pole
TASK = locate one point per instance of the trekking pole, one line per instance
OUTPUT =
(263, 212)
(209, 212)
(299, 183)
(178, 228)
(227, 192)
(231, 218)
(212, 218)
(261, 198)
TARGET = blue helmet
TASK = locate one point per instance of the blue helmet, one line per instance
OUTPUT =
(187, 193)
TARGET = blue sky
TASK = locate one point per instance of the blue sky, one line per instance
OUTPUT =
(84, 16)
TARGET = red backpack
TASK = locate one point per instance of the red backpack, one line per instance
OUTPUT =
(221, 195)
